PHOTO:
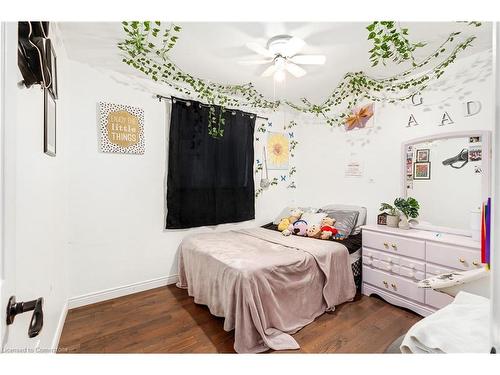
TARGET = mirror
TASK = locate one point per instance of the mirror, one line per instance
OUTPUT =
(449, 176)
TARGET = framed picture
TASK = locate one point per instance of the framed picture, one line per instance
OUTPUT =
(382, 219)
(422, 171)
(423, 155)
(51, 59)
(49, 123)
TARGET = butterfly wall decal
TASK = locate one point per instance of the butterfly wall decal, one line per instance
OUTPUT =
(283, 177)
(359, 117)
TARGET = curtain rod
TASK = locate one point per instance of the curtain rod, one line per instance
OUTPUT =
(169, 98)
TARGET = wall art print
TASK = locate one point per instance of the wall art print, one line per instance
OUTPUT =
(278, 151)
(422, 171)
(121, 129)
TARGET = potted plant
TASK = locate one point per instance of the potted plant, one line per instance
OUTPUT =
(392, 214)
(409, 208)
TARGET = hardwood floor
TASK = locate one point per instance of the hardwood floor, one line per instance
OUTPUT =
(166, 320)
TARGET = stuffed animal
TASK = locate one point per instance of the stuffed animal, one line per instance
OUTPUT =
(300, 228)
(284, 224)
(314, 231)
(328, 232)
(327, 229)
(295, 215)
(286, 232)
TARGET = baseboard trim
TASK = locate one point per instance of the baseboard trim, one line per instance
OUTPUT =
(59, 328)
(104, 295)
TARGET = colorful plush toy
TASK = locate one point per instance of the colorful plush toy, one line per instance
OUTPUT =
(286, 232)
(314, 231)
(300, 228)
(295, 215)
(327, 228)
(284, 224)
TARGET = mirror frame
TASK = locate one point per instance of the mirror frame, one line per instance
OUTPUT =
(485, 178)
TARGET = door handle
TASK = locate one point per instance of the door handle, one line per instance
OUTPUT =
(14, 308)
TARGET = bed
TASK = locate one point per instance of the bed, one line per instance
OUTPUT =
(267, 286)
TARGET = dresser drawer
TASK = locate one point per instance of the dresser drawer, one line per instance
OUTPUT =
(433, 298)
(411, 273)
(380, 255)
(394, 244)
(380, 264)
(394, 284)
(453, 256)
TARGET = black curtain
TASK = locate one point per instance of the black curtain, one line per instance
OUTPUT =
(210, 180)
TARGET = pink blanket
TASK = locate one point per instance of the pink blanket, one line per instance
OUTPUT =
(266, 286)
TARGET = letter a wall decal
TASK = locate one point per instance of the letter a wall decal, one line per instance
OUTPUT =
(446, 119)
(412, 121)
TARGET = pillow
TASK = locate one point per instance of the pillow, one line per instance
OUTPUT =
(287, 211)
(345, 220)
(361, 217)
(313, 218)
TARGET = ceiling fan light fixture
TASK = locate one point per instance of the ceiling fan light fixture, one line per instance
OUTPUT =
(280, 75)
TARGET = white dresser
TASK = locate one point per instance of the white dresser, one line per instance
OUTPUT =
(394, 260)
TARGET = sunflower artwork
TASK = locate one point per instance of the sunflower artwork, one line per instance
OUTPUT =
(361, 117)
(278, 151)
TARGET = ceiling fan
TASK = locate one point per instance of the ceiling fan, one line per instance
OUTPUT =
(282, 52)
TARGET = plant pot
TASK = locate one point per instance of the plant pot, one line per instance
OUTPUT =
(404, 223)
(392, 221)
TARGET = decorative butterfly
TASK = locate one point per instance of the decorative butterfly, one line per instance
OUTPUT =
(269, 124)
(283, 177)
(292, 185)
(359, 117)
(290, 135)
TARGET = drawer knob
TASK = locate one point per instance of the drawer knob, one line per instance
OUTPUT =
(394, 286)
(386, 284)
(461, 260)
(386, 245)
(475, 263)
(394, 246)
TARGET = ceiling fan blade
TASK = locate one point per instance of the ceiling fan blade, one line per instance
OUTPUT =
(308, 59)
(269, 71)
(295, 70)
(292, 46)
(255, 62)
(257, 48)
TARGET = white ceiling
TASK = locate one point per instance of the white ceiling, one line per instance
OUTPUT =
(212, 50)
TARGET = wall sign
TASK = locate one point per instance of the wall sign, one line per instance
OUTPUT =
(121, 129)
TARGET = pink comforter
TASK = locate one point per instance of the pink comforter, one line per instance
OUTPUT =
(265, 285)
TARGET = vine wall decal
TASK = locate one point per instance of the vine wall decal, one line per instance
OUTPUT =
(147, 44)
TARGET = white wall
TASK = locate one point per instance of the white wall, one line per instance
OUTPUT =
(39, 188)
(116, 201)
(320, 175)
